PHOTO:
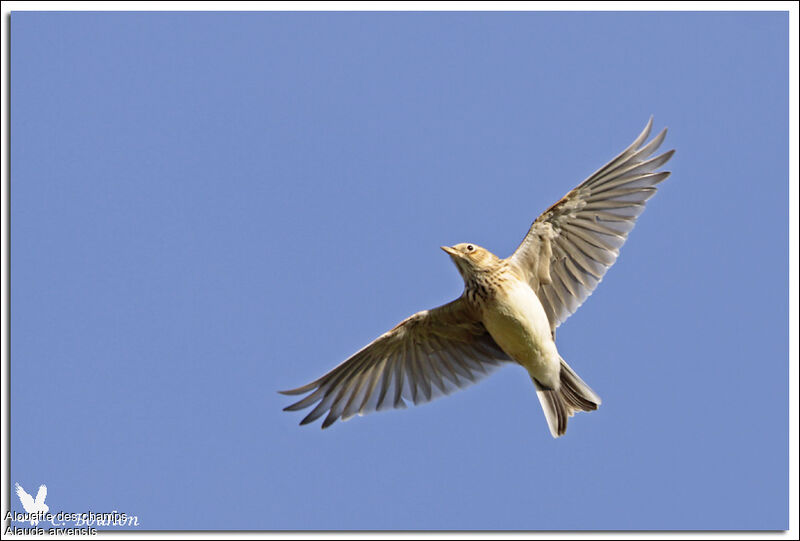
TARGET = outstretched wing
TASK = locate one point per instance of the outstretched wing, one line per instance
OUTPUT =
(25, 499)
(41, 495)
(569, 248)
(426, 356)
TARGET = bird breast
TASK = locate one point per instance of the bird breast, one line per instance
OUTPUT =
(518, 323)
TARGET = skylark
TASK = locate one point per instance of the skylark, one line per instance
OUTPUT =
(510, 307)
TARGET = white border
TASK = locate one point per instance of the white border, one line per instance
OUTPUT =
(794, 182)
(498, 5)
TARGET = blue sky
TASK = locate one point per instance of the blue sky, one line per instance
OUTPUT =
(209, 207)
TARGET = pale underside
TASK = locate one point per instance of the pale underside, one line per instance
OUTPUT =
(562, 258)
(517, 322)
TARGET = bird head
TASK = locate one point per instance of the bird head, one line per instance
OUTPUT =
(471, 259)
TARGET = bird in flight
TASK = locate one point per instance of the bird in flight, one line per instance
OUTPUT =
(29, 504)
(509, 309)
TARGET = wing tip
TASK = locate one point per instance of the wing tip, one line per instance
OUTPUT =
(645, 132)
(329, 420)
(669, 154)
(292, 407)
(298, 390)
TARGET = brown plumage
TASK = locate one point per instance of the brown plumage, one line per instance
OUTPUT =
(510, 307)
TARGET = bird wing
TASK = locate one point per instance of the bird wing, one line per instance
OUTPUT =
(25, 499)
(569, 248)
(41, 495)
(425, 356)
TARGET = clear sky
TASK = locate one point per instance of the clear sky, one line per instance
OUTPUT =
(209, 207)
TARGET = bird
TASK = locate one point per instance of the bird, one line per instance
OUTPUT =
(30, 505)
(509, 309)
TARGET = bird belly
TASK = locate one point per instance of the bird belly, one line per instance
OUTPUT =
(518, 323)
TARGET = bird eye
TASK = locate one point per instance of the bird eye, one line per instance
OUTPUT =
(470, 247)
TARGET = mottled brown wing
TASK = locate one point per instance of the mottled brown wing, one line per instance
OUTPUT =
(569, 248)
(426, 356)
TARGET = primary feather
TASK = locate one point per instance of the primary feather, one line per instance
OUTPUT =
(569, 248)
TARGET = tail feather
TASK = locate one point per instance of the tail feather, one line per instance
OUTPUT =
(573, 395)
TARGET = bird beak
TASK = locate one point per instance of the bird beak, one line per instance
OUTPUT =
(451, 251)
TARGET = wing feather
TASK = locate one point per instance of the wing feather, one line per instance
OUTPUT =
(426, 356)
(569, 248)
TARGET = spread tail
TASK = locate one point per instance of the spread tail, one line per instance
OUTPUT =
(573, 395)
